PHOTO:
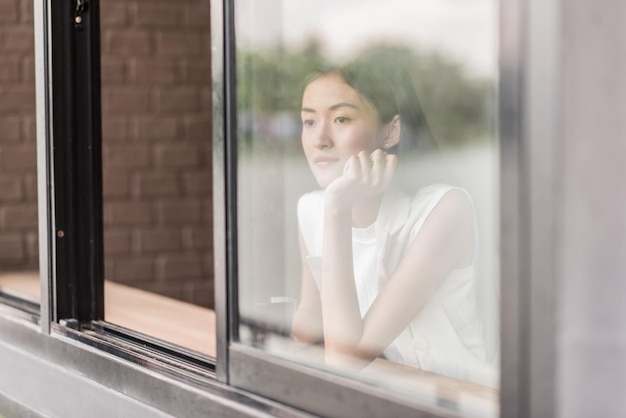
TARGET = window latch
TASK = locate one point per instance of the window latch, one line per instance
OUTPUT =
(78, 13)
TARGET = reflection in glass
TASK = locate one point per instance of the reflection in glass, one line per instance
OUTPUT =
(367, 178)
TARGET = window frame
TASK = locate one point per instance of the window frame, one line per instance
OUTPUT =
(76, 160)
(69, 158)
(528, 135)
(69, 147)
(530, 131)
(66, 330)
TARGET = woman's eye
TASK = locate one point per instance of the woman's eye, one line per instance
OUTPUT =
(308, 122)
(341, 119)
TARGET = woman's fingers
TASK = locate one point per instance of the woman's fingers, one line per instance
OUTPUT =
(389, 170)
(363, 175)
(352, 167)
(379, 162)
(364, 161)
(372, 172)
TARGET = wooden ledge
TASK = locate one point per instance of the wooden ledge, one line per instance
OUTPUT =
(158, 316)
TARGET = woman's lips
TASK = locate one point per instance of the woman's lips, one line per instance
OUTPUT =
(325, 161)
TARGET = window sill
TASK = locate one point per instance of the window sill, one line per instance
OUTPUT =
(158, 316)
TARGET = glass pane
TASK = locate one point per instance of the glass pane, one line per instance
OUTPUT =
(156, 110)
(367, 191)
(19, 252)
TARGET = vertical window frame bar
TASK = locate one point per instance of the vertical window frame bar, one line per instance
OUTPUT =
(542, 173)
(45, 177)
(512, 19)
(530, 54)
(77, 163)
(230, 149)
(220, 226)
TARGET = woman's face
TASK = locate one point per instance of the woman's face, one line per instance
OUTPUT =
(336, 124)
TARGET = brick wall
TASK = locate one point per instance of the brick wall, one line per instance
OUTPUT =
(156, 105)
(18, 188)
(157, 146)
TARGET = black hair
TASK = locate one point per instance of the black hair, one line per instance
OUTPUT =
(383, 78)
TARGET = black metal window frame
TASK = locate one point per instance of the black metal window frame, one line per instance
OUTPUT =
(77, 162)
(70, 185)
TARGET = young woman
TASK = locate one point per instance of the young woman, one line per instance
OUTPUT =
(383, 274)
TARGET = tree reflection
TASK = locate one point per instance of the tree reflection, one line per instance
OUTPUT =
(458, 106)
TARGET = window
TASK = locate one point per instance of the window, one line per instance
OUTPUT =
(126, 95)
(157, 170)
(331, 80)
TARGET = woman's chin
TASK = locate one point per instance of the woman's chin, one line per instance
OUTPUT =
(324, 176)
(324, 182)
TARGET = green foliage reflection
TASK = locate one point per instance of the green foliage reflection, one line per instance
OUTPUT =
(457, 106)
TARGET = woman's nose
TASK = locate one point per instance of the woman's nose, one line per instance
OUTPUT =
(323, 138)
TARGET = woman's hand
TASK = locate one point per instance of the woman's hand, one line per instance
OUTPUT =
(364, 176)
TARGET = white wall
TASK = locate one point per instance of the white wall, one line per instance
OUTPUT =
(591, 265)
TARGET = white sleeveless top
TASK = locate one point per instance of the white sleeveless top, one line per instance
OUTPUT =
(446, 336)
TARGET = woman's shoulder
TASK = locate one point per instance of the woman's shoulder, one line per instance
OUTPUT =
(437, 191)
(310, 205)
(311, 201)
(311, 197)
(310, 219)
(428, 197)
(453, 201)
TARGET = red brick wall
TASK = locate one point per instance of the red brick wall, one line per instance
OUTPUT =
(18, 188)
(156, 105)
(156, 102)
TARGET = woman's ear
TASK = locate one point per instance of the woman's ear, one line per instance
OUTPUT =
(392, 131)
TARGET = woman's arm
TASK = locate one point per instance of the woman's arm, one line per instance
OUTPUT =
(307, 320)
(442, 244)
